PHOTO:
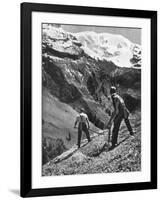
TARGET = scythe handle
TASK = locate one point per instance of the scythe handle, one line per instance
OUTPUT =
(109, 135)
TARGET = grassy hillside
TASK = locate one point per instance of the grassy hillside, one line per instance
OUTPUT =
(96, 157)
(58, 123)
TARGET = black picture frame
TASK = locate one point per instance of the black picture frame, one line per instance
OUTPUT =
(26, 99)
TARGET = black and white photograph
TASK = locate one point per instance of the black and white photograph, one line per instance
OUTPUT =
(91, 99)
(89, 109)
(79, 100)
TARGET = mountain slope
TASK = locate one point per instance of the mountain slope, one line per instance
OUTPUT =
(95, 157)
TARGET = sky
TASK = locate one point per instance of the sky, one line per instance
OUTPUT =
(133, 34)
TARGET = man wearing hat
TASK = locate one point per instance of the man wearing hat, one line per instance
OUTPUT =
(83, 122)
(120, 113)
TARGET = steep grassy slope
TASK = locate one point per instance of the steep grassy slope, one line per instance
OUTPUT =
(58, 120)
(95, 157)
(57, 129)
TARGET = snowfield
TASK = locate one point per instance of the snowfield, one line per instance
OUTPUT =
(100, 46)
(111, 47)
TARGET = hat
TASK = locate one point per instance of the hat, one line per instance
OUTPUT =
(82, 110)
(113, 89)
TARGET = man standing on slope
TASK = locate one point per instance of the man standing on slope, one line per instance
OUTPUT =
(83, 121)
(120, 113)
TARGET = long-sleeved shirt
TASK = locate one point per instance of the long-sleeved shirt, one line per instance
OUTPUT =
(119, 105)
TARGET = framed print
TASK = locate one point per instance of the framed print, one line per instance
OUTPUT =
(88, 99)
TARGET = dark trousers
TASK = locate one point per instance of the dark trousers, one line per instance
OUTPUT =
(83, 127)
(117, 122)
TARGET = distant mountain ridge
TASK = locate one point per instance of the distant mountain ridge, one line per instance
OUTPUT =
(110, 47)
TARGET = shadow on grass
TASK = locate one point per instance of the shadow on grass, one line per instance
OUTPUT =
(111, 148)
(123, 140)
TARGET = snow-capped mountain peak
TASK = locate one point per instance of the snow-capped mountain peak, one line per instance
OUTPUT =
(115, 48)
